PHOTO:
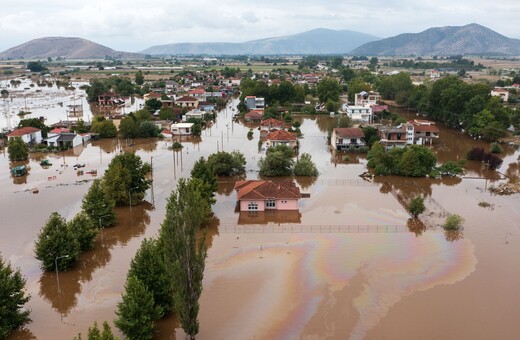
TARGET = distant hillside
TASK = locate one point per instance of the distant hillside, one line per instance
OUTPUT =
(471, 39)
(317, 41)
(70, 48)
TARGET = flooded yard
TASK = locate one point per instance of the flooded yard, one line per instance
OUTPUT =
(351, 264)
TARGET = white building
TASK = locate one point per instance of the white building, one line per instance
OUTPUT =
(500, 92)
(29, 135)
(364, 98)
(359, 113)
(197, 114)
(182, 129)
(254, 103)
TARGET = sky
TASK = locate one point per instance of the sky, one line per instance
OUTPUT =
(133, 25)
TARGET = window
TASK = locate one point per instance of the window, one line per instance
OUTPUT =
(252, 206)
(270, 204)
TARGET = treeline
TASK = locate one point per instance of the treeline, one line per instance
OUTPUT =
(283, 93)
(456, 63)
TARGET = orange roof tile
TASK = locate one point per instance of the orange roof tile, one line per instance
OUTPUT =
(256, 189)
(281, 135)
(23, 131)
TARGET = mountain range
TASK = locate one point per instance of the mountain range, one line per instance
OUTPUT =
(316, 41)
(472, 39)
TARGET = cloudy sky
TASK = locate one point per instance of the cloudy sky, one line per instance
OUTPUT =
(133, 25)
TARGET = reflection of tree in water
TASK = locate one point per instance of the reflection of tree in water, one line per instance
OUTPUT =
(147, 145)
(324, 123)
(108, 145)
(305, 181)
(226, 186)
(131, 222)
(211, 230)
(22, 334)
(416, 226)
(513, 171)
(129, 225)
(70, 282)
(453, 235)
(166, 327)
(410, 187)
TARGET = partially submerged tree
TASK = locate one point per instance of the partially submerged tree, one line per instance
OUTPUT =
(305, 166)
(98, 205)
(17, 149)
(137, 312)
(149, 267)
(185, 252)
(227, 163)
(56, 245)
(277, 162)
(416, 206)
(12, 299)
(125, 179)
(84, 230)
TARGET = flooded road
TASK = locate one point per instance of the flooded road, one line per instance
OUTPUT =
(350, 264)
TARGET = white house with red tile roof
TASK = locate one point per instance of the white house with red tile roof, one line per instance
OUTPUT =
(421, 132)
(281, 137)
(500, 92)
(200, 94)
(347, 138)
(29, 135)
(257, 195)
(187, 101)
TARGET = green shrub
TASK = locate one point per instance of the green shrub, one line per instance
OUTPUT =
(453, 222)
(495, 148)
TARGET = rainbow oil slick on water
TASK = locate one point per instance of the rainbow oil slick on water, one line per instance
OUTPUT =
(299, 277)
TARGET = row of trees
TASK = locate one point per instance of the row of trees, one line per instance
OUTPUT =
(60, 243)
(166, 273)
(412, 161)
(279, 162)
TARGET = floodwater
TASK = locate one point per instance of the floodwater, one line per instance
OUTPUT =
(350, 264)
(42, 97)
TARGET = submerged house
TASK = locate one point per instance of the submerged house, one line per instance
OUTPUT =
(347, 138)
(281, 137)
(258, 195)
(29, 134)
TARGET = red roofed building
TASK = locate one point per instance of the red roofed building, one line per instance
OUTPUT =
(272, 124)
(421, 132)
(187, 101)
(29, 135)
(200, 94)
(281, 137)
(256, 195)
(254, 116)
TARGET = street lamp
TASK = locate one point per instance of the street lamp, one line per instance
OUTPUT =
(56, 267)
(130, 196)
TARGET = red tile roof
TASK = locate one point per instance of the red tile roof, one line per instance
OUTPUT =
(23, 131)
(187, 99)
(197, 91)
(272, 122)
(281, 135)
(256, 189)
(349, 132)
(254, 114)
(59, 130)
(426, 128)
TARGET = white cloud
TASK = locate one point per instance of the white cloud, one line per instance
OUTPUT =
(133, 25)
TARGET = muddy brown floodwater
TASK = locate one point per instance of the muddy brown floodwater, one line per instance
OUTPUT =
(350, 264)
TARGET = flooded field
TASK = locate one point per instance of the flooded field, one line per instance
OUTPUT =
(350, 264)
(44, 98)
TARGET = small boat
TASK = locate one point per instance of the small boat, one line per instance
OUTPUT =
(92, 172)
(19, 170)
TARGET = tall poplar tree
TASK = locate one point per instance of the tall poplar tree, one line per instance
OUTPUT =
(185, 252)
